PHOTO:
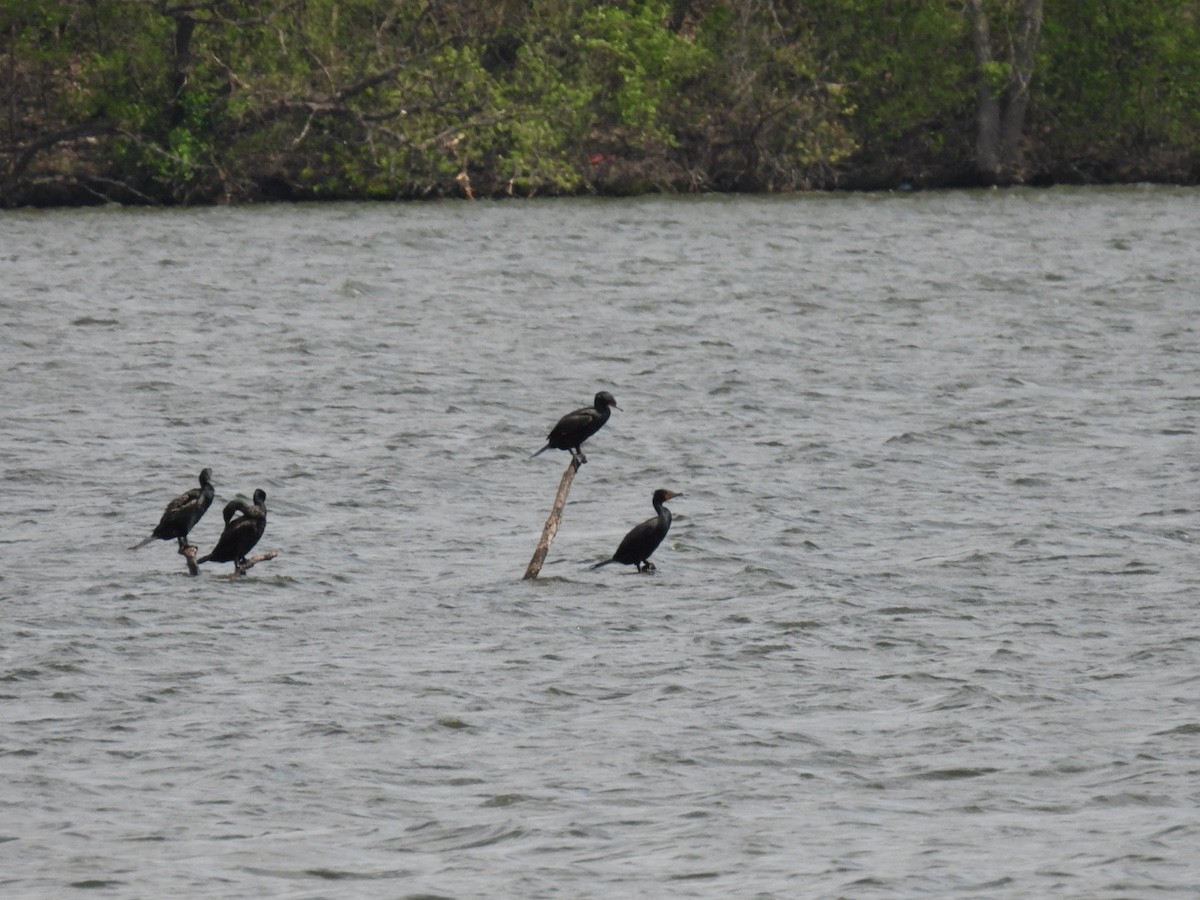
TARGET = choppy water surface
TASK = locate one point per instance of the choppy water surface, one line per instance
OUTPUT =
(926, 623)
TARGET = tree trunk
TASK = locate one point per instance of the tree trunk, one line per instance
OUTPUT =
(181, 66)
(987, 103)
(1029, 28)
(1002, 97)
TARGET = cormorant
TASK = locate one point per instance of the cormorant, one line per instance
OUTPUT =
(241, 533)
(642, 540)
(182, 513)
(576, 427)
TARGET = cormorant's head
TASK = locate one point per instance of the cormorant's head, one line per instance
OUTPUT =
(260, 497)
(604, 398)
(205, 476)
(662, 495)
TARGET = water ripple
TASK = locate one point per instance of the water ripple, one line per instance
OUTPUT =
(924, 624)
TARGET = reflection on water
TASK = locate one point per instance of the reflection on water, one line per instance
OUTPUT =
(924, 624)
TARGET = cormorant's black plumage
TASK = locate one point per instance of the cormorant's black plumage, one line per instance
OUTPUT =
(182, 513)
(576, 427)
(637, 547)
(241, 531)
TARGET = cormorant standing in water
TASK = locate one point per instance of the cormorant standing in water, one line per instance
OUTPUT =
(241, 533)
(182, 513)
(643, 539)
(576, 427)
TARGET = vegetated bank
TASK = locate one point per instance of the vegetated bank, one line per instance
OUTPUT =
(226, 101)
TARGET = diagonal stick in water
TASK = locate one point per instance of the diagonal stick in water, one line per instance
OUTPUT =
(551, 528)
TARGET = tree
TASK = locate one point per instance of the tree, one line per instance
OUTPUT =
(762, 114)
(1118, 94)
(199, 101)
(1003, 87)
(906, 85)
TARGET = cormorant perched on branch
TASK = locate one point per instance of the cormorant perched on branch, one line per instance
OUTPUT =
(241, 533)
(643, 539)
(182, 513)
(576, 427)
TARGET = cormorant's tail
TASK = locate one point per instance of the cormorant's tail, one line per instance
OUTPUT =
(602, 563)
(540, 452)
(142, 543)
(204, 559)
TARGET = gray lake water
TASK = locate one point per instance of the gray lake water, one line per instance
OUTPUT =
(926, 624)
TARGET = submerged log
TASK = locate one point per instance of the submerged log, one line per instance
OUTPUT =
(189, 553)
(551, 527)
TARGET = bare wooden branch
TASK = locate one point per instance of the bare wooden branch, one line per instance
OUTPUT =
(120, 186)
(189, 553)
(551, 527)
(65, 135)
(353, 90)
(240, 570)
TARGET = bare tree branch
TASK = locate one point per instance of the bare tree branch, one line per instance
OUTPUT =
(27, 154)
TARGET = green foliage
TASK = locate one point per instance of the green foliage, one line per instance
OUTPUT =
(907, 72)
(996, 76)
(762, 106)
(190, 143)
(395, 98)
(1120, 79)
(634, 63)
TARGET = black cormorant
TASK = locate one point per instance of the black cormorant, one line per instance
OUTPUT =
(182, 513)
(576, 427)
(643, 539)
(241, 533)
